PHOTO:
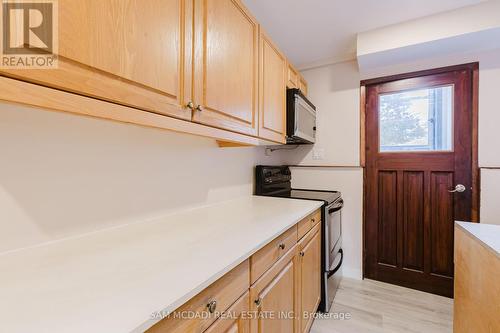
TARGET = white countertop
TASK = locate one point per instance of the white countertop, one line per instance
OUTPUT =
(113, 280)
(487, 234)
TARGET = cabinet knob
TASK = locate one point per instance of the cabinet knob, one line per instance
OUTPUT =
(281, 246)
(313, 220)
(190, 105)
(301, 253)
(258, 302)
(199, 108)
(212, 306)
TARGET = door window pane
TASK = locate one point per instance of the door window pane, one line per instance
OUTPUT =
(417, 120)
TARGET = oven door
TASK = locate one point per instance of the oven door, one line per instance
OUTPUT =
(334, 220)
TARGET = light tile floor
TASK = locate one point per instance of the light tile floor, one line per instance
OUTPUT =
(380, 307)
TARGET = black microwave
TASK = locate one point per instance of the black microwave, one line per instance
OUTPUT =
(300, 118)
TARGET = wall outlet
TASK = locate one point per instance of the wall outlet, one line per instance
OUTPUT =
(318, 154)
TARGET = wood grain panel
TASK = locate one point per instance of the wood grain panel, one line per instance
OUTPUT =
(442, 223)
(310, 277)
(263, 259)
(275, 291)
(272, 91)
(387, 226)
(236, 320)
(423, 213)
(293, 77)
(128, 52)
(477, 290)
(413, 220)
(303, 85)
(224, 292)
(226, 65)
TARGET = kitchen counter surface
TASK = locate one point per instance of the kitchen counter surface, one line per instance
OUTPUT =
(115, 280)
(487, 234)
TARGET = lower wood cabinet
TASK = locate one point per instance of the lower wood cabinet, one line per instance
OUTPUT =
(273, 298)
(215, 299)
(309, 282)
(476, 305)
(234, 320)
(276, 290)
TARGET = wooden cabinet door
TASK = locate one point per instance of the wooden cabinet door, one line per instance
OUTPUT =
(303, 86)
(292, 78)
(226, 66)
(129, 52)
(273, 298)
(236, 321)
(273, 71)
(310, 277)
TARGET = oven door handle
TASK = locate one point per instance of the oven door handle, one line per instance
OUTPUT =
(333, 271)
(337, 208)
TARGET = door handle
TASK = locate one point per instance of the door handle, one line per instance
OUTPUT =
(459, 188)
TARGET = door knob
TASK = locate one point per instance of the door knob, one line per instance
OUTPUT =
(258, 302)
(459, 188)
(212, 306)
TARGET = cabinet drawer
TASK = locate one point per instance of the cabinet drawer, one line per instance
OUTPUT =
(223, 293)
(276, 294)
(308, 223)
(236, 321)
(261, 261)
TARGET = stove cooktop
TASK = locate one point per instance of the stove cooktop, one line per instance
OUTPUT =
(327, 196)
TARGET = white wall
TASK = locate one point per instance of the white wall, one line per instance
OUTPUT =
(489, 117)
(334, 90)
(350, 182)
(63, 175)
(475, 27)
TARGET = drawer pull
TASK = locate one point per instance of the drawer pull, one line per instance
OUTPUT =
(212, 306)
(301, 253)
(313, 220)
(282, 246)
(258, 302)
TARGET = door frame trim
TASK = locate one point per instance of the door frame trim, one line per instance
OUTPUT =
(476, 190)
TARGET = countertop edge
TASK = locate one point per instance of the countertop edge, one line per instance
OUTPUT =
(462, 226)
(216, 276)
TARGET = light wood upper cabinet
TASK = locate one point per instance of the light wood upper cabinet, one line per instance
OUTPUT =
(130, 52)
(226, 66)
(310, 277)
(295, 80)
(273, 71)
(303, 85)
(292, 77)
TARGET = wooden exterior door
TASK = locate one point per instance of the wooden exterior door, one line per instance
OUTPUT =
(226, 59)
(130, 52)
(419, 148)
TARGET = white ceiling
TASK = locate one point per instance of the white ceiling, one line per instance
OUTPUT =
(321, 31)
